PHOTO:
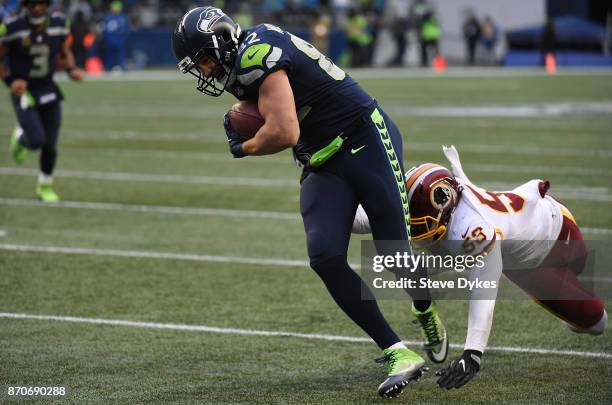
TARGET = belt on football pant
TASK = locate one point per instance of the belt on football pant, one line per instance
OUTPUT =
(324, 154)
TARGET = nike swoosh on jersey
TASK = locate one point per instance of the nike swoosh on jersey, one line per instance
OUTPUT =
(353, 151)
(466, 231)
(251, 56)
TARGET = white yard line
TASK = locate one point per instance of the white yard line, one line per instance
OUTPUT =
(366, 73)
(266, 333)
(512, 149)
(177, 256)
(597, 231)
(160, 178)
(538, 170)
(504, 111)
(408, 146)
(564, 192)
(153, 255)
(516, 111)
(159, 209)
(287, 160)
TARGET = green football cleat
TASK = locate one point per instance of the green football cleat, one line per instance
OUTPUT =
(434, 333)
(46, 193)
(404, 366)
(18, 151)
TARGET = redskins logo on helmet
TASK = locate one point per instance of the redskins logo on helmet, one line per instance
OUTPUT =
(433, 194)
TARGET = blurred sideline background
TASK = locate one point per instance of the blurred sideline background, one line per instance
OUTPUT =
(133, 34)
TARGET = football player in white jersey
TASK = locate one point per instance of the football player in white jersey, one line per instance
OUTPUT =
(447, 206)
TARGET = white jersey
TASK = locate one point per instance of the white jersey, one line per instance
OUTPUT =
(531, 220)
(524, 215)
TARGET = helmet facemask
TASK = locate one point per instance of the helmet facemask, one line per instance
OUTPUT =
(215, 84)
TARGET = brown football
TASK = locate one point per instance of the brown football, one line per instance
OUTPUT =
(245, 119)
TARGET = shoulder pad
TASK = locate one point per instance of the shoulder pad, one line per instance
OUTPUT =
(59, 20)
(254, 55)
(260, 53)
(11, 20)
(59, 26)
(13, 29)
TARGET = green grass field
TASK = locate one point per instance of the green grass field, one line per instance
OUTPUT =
(160, 225)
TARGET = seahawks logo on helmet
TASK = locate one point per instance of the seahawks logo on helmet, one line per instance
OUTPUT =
(208, 18)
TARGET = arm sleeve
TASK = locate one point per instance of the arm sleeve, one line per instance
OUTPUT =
(361, 223)
(482, 301)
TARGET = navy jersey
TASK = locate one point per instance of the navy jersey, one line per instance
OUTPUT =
(327, 100)
(32, 53)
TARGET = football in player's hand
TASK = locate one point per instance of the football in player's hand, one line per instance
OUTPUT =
(245, 119)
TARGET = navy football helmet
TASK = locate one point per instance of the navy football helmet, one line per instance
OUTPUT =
(207, 32)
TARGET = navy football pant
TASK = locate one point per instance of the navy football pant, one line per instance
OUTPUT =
(41, 126)
(367, 170)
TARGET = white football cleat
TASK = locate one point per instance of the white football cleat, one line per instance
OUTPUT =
(596, 329)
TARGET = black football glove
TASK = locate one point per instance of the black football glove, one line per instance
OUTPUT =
(460, 370)
(235, 141)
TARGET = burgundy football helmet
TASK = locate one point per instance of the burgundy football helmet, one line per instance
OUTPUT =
(433, 194)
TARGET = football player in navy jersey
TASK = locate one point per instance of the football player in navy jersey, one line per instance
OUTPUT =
(350, 151)
(32, 42)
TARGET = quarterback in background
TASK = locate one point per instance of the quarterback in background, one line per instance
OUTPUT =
(526, 233)
(347, 147)
(32, 42)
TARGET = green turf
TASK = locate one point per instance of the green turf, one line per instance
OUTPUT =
(165, 128)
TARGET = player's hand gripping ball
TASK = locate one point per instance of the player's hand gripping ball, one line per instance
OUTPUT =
(244, 118)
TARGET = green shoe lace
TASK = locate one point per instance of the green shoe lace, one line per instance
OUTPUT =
(399, 360)
(431, 325)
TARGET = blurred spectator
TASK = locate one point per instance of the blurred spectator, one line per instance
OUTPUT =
(423, 18)
(548, 41)
(10, 7)
(358, 37)
(146, 14)
(244, 15)
(399, 29)
(373, 10)
(490, 35)
(82, 38)
(274, 10)
(81, 6)
(471, 34)
(341, 8)
(320, 29)
(115, 28)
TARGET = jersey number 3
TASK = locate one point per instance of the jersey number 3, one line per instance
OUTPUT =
(40, 61)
